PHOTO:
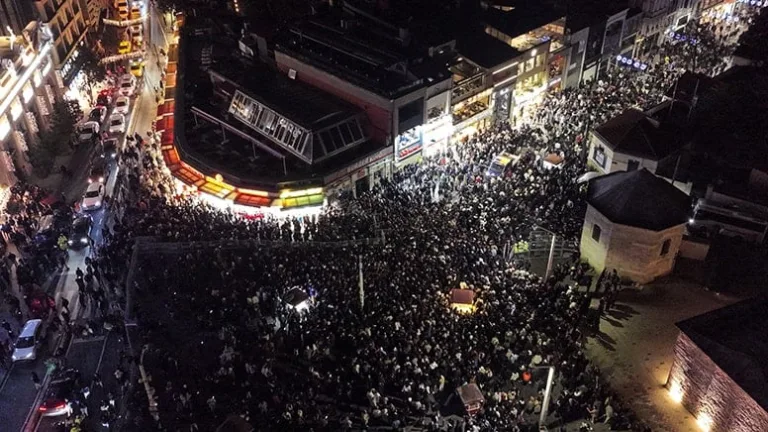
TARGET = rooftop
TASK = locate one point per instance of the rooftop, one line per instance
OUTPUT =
(734, 338)
(386, 63)
(638, 199)
(526, 16)
(484, 49)
(654, 134)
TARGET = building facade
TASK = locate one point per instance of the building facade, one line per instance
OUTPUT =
(29, 89)
(68, 23)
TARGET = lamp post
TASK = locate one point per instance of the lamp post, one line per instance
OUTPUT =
(547, 397)
(551, 259)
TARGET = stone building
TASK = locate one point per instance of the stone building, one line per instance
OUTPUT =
(634, 224)
(719, 372)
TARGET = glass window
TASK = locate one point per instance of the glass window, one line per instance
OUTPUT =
(540, 59)
(529, 64)
(596, 231)
(599, 156)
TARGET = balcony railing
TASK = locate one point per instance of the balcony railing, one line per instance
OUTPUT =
(468, 87)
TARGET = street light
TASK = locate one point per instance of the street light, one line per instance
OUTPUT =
(547, 396)
(551, 259)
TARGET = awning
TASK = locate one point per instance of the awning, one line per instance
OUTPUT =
(171, 157)
(171, 69)
(215, 189)
(166, 108)
(170, 81)
(186, 175)
(166, 138)
(303, 201)
(253, 200)
(164, 124)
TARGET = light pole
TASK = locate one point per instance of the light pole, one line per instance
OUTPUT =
(547, 396)
(551, 259)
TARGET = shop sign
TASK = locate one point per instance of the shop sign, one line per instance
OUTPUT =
(408, 143)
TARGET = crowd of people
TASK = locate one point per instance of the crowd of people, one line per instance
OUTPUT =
(379, 344)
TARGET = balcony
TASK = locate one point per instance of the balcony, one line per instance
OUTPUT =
(468, 87)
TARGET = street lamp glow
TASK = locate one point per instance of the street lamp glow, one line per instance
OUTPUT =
(676, 392)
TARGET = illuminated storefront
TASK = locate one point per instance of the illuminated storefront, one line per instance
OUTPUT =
(435, 134)
(408, 146)
(472, 115)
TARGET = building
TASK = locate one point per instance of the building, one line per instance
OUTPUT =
(14, 15)
(68, 23)
(95, 10)
(29, 89)
(596, 34)
(635, 139)
(634, 224)
(658, 16)
(719, 370)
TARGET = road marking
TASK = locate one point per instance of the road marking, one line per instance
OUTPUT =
(7, 376)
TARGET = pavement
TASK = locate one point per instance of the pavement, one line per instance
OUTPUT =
(634, 347)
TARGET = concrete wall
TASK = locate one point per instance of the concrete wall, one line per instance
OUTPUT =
(616, 161)
(713, 398)
(635, 253)
(695, 250)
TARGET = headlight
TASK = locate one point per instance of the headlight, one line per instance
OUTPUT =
(83, 240)
(101, 179)
(70, 242)
(97, 203)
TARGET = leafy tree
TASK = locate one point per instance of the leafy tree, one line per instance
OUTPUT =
(752, 42)
(42, 160)
(63, 119)
(93, 71)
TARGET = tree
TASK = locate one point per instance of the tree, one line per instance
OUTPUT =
(93, 71)
(752, 42)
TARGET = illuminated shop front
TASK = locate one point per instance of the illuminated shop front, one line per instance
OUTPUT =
(472, 116)
(408, 146)
(436, 133)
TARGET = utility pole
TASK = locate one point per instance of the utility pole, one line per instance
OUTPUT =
(547, 396)
(360, 282)
(551, 259)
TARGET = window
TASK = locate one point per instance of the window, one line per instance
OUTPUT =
(596, 231)
(599, 156)
(665, 247)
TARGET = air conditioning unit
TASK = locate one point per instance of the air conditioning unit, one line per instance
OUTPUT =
(292, 74)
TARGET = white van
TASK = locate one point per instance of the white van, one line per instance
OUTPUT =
(30, 337)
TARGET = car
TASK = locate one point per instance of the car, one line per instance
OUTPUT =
(99, 171)
(117, 124)
(88, 131)
(136, 33)
(104, 98)
(30, 337)
(98, 114)
(127, 86)
(59, 397)
(80, 231)
(124, 47)
(137, 68)
(109, 149)
(122, 105)
(93, 198)
(135, 12)
(122, 10)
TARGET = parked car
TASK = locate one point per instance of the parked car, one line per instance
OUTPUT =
(127, 85)
(122, 11)
(135, 12)
(117, 124)
(87, 132)
(98, 114)
(122, 105)
(80, 231)
(124, 47)
(30, 337)
(137, 68)
(136, 33)
(93, 198)
(104, 98)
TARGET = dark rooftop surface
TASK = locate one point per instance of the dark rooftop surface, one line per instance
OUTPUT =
(639, 134)
(639, 199)
(690, 84)
(586, 13)
(528, 15)
(305, 105)
(484, 49)
(356, 51)
(734, 338)
(244, 157)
